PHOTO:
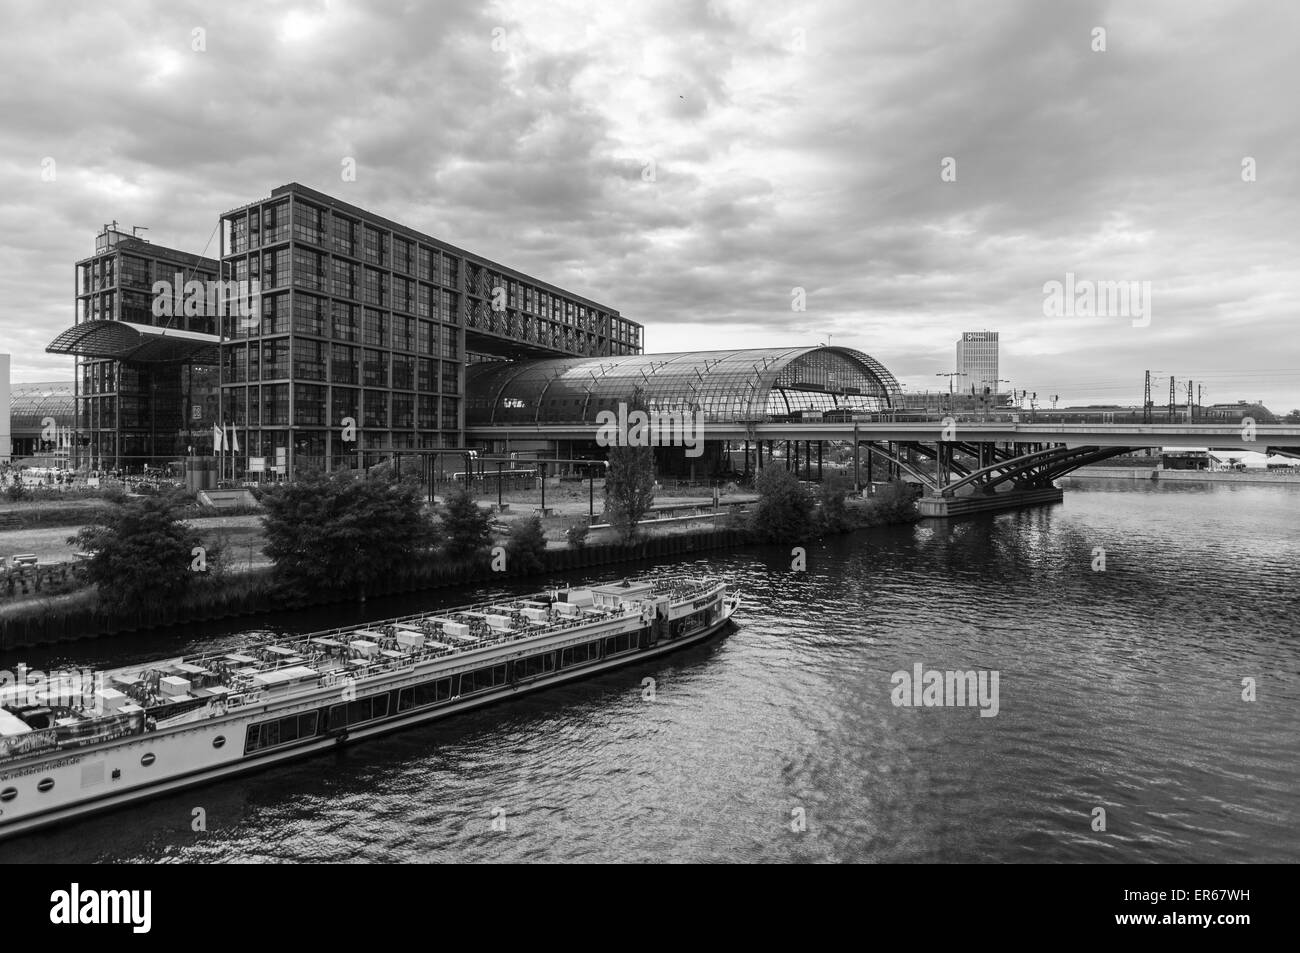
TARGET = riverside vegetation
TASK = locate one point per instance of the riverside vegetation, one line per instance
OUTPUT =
(356, 535)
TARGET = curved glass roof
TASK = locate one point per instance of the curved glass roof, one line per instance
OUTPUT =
(725, 386)
(135, 342)
(30, 404)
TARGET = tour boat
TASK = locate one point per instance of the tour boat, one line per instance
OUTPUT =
(72, 744)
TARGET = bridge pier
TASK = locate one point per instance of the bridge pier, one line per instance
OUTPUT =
(946, 507)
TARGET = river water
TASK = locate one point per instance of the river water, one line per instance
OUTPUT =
(779, 741)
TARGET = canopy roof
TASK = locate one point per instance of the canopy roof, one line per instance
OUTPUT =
(141, 343)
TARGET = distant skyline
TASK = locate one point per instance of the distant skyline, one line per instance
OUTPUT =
(695, 165)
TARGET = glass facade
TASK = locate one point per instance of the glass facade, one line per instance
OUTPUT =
(724, 386)
(132, 414)
(977, 362)
(376, 323)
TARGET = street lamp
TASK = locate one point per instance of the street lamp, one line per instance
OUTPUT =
(541, 469)
(950, 375)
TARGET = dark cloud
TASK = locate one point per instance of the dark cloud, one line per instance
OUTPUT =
(791, 146)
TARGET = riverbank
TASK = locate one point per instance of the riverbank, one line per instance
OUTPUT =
(73, 616)
(1185, 476)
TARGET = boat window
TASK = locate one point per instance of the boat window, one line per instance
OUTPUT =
(8, 794)
(47, 784)
(148, 759)
(280, 731)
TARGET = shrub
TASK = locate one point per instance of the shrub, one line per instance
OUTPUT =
(527, 545)
(468, 528)
(143, 554)
(784, 512)
(344, 530)
(576, 535)
(834, 511)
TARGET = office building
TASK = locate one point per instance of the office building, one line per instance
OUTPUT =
(366, 328)
(977, 362)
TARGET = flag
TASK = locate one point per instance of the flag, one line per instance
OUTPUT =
(218, 438)
(234, 435)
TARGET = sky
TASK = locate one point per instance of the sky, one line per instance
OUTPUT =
(877, 175)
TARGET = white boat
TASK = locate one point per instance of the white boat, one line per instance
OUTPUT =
(69, 748)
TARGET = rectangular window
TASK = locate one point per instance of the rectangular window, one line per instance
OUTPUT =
(344, 279)
(403, 372)
(343, 364)
(343, 403)
(375, 330)
(426, 375)
(402, 254)
(370, 244)
(403, 411)
(375, 413)
(308, 315)
(450, 378)
(309, 405)
(345, 322)
(309, 359)
(307, 223)
(403, 334)
(427, 413)
(275, 223)
(275, 405)
(374, 368)
(343, 235)
(308, 269)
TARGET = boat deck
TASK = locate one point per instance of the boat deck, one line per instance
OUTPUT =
(171, 688)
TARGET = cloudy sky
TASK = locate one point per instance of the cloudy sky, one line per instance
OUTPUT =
(693, 164)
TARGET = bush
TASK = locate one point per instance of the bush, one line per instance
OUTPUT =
(15, 492)
(784, 513)
(143, 555)
(834, 511)
(467, 527)
(576, 535)
(524, 552)
(344, 530)
(894, 502)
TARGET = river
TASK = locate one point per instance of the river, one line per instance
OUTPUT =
(780, 741)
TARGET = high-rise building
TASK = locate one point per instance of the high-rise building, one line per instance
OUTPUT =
(366, 327)
(977, 362)
(145, 384)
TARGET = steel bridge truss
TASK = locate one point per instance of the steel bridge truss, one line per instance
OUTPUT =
(986, 468)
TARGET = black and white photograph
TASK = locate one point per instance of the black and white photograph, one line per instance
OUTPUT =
(576, 433)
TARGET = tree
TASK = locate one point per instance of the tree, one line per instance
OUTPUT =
(835, 512)
(629, 481)
(784, 513)
(143, 555)
(467, 527)
(343, 530)
(895, 502)
(524, 552)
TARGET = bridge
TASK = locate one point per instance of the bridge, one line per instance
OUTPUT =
(963, 465)
(753, 399)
